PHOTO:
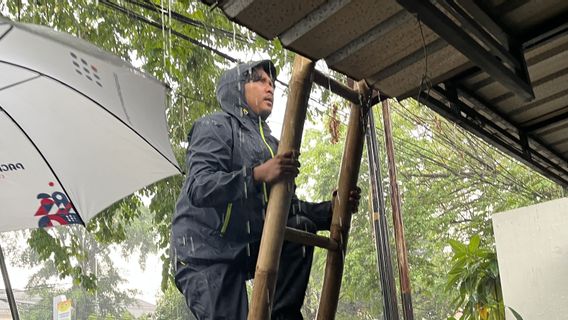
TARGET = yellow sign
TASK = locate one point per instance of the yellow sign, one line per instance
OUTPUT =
(64, 310)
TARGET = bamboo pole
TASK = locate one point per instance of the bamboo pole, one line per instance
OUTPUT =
(310, 239)
(281, 193)
(405, 291)
(8, 286)
(341, 220)
(380, 228)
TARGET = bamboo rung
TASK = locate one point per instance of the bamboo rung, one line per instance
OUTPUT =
(336, 87)
(310, 239)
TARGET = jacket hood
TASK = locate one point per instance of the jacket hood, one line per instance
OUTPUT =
(231, 86)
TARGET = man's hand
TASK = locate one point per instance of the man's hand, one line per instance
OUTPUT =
(354, 197)
(282, 166)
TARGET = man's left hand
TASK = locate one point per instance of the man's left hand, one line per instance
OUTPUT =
(354, 197)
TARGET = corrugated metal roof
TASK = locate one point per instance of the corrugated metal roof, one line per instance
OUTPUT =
(472, 53)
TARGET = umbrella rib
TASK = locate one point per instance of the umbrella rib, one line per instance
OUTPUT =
(46, 162)
(101, 106)
(18, 83)
(7, 31)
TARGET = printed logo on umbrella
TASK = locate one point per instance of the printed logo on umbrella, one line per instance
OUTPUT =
(11, 167)
(4, 167)
(57, 201)
(83, 68)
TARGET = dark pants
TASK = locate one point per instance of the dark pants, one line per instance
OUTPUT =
(217, 290)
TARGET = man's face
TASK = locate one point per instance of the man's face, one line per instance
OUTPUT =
(259, 93)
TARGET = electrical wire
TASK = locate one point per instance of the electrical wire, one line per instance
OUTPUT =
(160, 26)
(425, 80)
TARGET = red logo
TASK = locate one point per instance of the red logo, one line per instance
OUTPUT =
(64, 214)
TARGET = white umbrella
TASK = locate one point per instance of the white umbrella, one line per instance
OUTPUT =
(79, 128)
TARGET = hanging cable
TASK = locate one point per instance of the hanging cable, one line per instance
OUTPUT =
(188, 21)
(159, 26)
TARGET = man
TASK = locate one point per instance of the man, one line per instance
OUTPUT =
(219, 216)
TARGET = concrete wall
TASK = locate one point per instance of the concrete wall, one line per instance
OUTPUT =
(532, 250)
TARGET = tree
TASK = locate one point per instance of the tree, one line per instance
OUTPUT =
(172, 306)
(180, 53)
(91, 257)
(451, 183)
(475, 277)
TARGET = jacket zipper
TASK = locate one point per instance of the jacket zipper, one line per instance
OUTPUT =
(271, 154)
(264, 189)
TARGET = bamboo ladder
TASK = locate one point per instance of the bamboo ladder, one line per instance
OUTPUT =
(275, 230)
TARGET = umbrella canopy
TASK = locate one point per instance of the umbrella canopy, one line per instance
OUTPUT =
(79, 128)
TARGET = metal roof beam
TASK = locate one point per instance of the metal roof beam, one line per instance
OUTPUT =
(463, 42)
(548, 122)
(485, 20)
(464, 112)
(470, 120)
(475, 28)
(550, 30)
(465, 94)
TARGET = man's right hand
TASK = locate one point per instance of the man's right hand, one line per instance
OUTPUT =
(282, 166)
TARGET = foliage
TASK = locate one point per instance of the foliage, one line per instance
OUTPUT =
(170, 54)
(172, 306)
(450, 182)
(106, 299)
(474, 276)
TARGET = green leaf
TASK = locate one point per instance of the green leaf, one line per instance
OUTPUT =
(457, 246)
(474, 243)
(516, 314)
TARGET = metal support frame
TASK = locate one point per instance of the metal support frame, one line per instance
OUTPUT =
(398, 225)
(524, 142)
(546, 31)
(380, 225)
(452, 93)
(547, 122)
(8, 286)
(554, 160)
(485, 20)
(463, 42)
(468, 23)
(498, 136)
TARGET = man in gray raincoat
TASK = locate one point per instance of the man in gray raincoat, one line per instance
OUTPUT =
(216, 229)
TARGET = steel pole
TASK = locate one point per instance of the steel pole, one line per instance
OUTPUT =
(405, 291)
(8, 286)
(380, 227)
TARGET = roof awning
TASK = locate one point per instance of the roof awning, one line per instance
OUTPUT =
(499, 70)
